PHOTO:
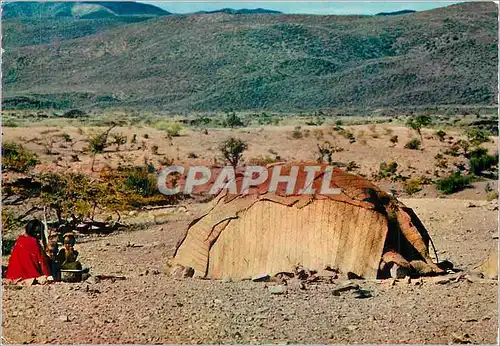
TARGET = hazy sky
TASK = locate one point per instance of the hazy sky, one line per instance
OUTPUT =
(310, 7)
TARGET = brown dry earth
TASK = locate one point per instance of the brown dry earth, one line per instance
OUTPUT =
(150, 307)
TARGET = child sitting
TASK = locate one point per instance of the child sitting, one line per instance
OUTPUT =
(67, 257)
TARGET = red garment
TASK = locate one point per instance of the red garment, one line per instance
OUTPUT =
(27, 260)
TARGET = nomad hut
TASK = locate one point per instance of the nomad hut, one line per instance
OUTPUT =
(361, 230)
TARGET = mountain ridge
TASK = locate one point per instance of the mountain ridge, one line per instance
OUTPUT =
(281, 62)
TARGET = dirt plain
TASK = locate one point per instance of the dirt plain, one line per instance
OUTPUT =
(151, 307)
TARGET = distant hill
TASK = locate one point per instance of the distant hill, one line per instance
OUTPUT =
(242, 11)
(395, 13)
(84, 10)
(205, 62)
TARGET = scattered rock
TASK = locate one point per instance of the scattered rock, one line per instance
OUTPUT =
(63, 318)
(344, 288)
(295, 284)
(471, 205)
(362, 294)
(353, 276)
(92, 280)
(461, 339)
(261, 278)
(278, 289)
(226, 279)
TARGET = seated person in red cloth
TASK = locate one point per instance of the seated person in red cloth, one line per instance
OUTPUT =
(27, 259)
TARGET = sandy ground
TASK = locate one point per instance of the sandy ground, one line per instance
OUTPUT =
(150, 307)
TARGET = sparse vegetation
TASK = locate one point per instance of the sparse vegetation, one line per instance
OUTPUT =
(119, 139)
(232, 150)
(453, 183)
(394, 140)
(412, 186)
(413, 144)
(440, 135)
(297, 132)
(16, 158)
(481, 161)
(418, 122)
(326, 151)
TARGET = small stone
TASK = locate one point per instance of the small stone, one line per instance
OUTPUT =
(442, 281)
(226, 279)
(362, 294)
(92, 280)
(295, 284)
(63, 318)
(347, 286)
(352, 327)
(261, 277)
(470, 205)
(132, 213)
(278, 289)
(353, 276)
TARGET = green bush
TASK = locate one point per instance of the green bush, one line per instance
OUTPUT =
(441, 135)
(232, 150)
(481, 161)
(172, 129)
(141, 181)
(412, 186)
(16, 158)
(454, 183)
(413, 144)
(232, 120)
(492, 196)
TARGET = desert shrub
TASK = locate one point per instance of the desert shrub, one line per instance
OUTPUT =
(373, 128)
(134, 139)
(74, 113)
(388, 131)
(477, 136)
(387, 169)
(319, 134)
(146, 136)
(192, 155)
(492, 196)
(263, 160)
(297, 132)
(66, 137)
(118, 140)
(16, 158)
(441, 161)
(464, 145)
(481, 161)
(454, 183)
(307, 133)
(394, 139)
(417, 122)
(361, 133)
(412, 186)
(98, 142)
(232, 120)
(453, 150)
(345, 133)
(326, 151)
(166, 161)
(413, 144)
(351, 166)
(339, 122)
(172, 129)
(232, 150)
(154, 150)
(440, 135)
(142, 181)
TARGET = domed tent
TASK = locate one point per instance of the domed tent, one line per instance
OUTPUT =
(362, 230)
